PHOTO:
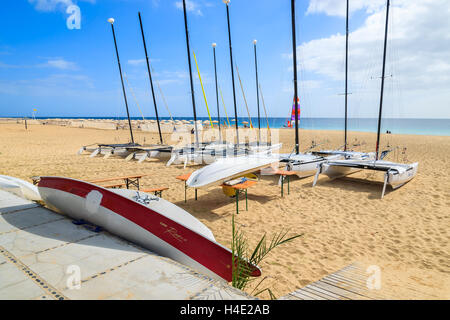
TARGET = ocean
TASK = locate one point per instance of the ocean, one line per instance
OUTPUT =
(436, 127)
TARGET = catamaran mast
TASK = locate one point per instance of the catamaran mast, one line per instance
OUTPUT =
(232, 72)
(217, 90)
(346, 76)
(294, 49)
(257, 94)
(382, 79)
(111, 20)
(150, 77)
(190, 72)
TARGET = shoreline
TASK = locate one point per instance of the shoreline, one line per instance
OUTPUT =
(136, 123)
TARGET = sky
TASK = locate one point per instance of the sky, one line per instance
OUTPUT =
(57, 56)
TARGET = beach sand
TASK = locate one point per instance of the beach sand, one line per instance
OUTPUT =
(406, 234)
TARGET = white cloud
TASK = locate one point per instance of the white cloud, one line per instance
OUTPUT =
(51, 85)
(191, 6)
(52, 5)
(163, 77)
(9, 66)
(418, 52)
(168, 77)
(136, 62)
(338, 8)
(59, 63)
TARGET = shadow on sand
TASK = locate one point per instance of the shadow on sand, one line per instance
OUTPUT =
(211, 199)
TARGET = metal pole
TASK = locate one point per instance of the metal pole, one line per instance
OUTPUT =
(121, 78)
(382, 80)
(294, 49)
(232, 72)
(346, 77)
(150, 77)
(217, 90)
(190, 72)
(257, 94)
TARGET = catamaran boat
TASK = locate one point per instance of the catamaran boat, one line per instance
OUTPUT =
(226, 169)
(306, 164)
(396, 174)
(209, 153)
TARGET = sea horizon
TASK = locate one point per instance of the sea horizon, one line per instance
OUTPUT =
(418, 126)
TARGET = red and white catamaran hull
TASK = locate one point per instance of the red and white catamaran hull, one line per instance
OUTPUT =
(141, 223)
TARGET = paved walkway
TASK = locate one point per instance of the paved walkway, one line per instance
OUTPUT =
(41, 253)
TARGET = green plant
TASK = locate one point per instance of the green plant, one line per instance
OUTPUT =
(242, 264)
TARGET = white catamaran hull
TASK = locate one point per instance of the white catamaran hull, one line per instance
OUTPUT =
(228, 168)
(397, 179)
(334, 172)
(210, 153)
(105, 151)
(305, 165)
(396, 175)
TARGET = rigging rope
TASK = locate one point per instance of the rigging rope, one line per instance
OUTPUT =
(264, 105)
(164, 100)
(245, 100)
(132, 93)
(224, 108)
(162, 96)
(203, 89)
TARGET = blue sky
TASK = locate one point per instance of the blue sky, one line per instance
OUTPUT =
(63, 72)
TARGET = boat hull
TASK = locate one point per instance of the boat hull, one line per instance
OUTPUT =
(396, 174)
(305, 165)
(138, 223)
(397, 179)
(20, 188)
(337, 172)
(106, 151)
(228, 168)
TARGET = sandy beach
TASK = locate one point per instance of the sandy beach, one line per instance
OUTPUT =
(406, 234)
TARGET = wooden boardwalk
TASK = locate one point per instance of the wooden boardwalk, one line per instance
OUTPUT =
(348, 283)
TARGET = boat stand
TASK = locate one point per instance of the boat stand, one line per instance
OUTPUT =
(285, 174)
(184, 178)
(241, 187)
(386, 178)
(238, 192)
(130, 181)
